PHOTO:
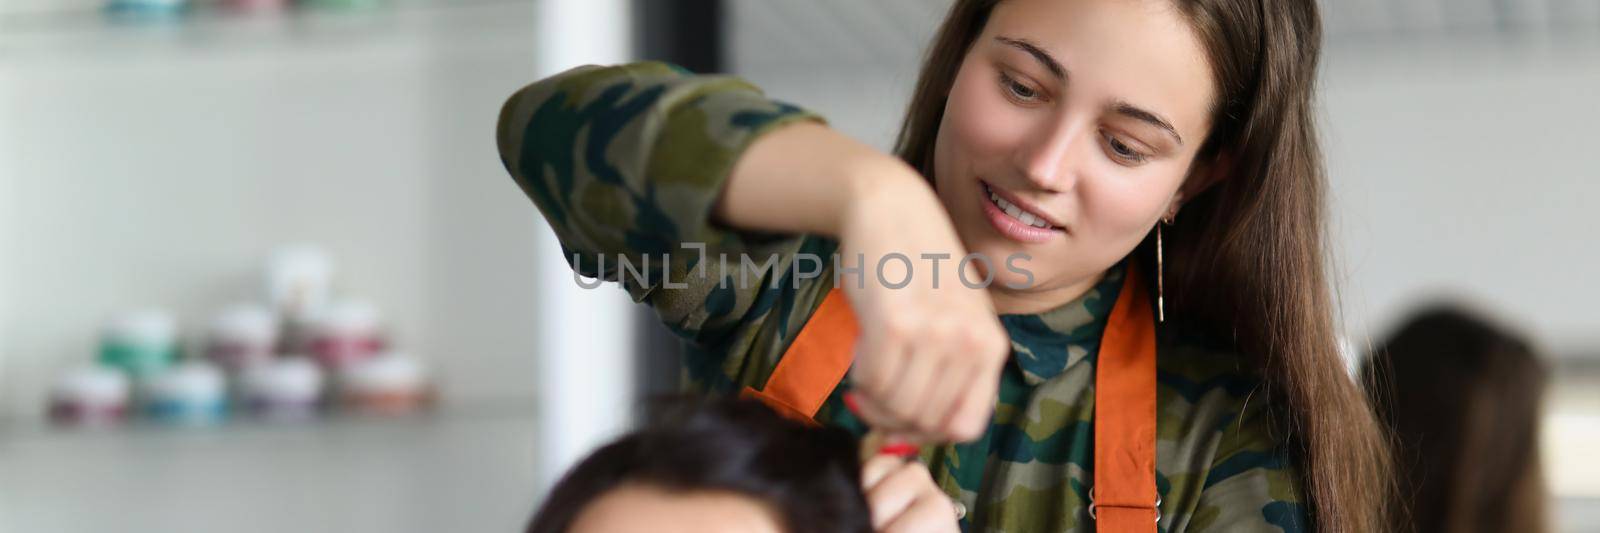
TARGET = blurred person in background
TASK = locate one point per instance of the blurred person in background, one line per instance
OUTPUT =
(737, 466)
(1462, 397)
(1070, 133)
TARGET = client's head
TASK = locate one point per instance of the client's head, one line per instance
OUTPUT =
(711, 466)
(1463, 397)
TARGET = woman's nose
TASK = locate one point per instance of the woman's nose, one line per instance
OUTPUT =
(1048, 158)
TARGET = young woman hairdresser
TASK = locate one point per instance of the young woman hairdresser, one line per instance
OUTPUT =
(1138, 181)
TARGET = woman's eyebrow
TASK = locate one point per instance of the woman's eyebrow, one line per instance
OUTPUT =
(1039, 54)
(1136, 113)
(1119, 107)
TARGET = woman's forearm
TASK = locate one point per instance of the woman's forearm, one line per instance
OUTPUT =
(806, 178)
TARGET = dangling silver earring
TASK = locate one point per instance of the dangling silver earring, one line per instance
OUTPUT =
(1161, 291)
(1161, 269)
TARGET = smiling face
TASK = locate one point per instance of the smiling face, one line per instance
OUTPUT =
(1067, 134)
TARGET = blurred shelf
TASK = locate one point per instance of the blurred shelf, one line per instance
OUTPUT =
(209, 27)
(461, 470)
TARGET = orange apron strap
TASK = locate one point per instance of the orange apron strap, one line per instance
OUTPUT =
(815, 362)
(1123, 497)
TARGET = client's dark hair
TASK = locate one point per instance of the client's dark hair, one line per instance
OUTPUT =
(1462, 397)
(810, 475)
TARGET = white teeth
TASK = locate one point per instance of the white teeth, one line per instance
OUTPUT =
(1017, 212)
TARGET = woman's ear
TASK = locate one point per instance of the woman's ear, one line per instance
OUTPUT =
(1208, 174)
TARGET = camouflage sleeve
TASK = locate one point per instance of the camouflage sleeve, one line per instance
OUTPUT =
(1252, 484)
(625, 163)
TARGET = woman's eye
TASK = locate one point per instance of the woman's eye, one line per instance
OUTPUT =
(1122, 151)
(1018, 90)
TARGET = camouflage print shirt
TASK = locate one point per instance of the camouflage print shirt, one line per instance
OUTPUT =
(626, 161)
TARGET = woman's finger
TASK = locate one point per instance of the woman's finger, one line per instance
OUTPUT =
(931, 512)
(877, 468)
(891, 495)
(944, 393)
(907, 399)
(970, 417)
(877, 364)
(876, 416)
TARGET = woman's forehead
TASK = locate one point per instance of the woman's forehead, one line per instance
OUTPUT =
(646, 508)
(1142, 52)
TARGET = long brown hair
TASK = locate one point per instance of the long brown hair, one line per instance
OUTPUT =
(1463, 397)
(1245, 260)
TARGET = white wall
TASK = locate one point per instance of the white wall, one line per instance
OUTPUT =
(1468, 169)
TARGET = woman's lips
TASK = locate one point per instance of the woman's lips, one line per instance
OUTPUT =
(1009, 226)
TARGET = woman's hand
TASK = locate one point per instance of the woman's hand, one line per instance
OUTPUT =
(929, 357)
(930, 353)
(904, 499)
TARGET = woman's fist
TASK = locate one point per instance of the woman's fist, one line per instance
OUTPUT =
(931, 348)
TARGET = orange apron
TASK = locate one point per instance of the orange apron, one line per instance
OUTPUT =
(1123, 498)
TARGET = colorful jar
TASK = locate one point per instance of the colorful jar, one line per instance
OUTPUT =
(288, 388)
(345, 333)
(298, 280)
(141, 343)
(192, 393)
(389, 384)
(146, 8)
(90, 396)
(257, 5)
(342, 4)
(241, 336)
